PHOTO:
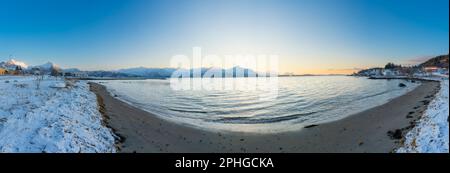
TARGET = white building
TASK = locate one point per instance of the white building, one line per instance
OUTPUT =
(390, 72)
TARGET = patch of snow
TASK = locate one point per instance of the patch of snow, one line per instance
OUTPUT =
(50, 119)
(431, 134)
(58, 85)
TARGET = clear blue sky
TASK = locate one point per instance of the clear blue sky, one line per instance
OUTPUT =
(311, 36)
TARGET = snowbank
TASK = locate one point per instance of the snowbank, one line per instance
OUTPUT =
(430, 135)
(48, 119)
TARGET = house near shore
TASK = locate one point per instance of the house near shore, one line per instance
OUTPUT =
(391, 72)
(11, 72)
(394, 70)
(434, 70)
(374, 72)
(3, 71)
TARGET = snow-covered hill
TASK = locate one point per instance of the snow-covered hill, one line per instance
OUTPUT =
(12, 64)
(53, 118)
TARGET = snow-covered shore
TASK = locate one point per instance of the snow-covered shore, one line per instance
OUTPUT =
(431, 133)
(53, 118)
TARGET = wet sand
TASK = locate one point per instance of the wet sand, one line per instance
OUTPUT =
(378, 130)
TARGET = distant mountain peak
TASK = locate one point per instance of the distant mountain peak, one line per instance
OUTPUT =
(48, 65)
(13, 62)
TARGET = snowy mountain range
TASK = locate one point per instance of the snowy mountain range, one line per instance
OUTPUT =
(167, 72)
(12, 64)
(148, 72)
(133, 72)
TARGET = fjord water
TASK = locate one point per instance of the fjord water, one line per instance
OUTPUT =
(301, 101)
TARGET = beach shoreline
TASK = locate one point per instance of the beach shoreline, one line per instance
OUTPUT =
(379, 129)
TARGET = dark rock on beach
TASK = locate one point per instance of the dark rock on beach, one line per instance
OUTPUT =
(397, 134)
(401, 85)
(309, 126)
(425, 102)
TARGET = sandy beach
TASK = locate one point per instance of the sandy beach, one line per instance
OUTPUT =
(379, 129)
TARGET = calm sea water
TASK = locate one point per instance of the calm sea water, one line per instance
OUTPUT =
(301, 101)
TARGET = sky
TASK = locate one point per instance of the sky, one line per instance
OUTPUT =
(309, 36)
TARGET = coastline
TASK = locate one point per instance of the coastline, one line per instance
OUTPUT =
(367, 131)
